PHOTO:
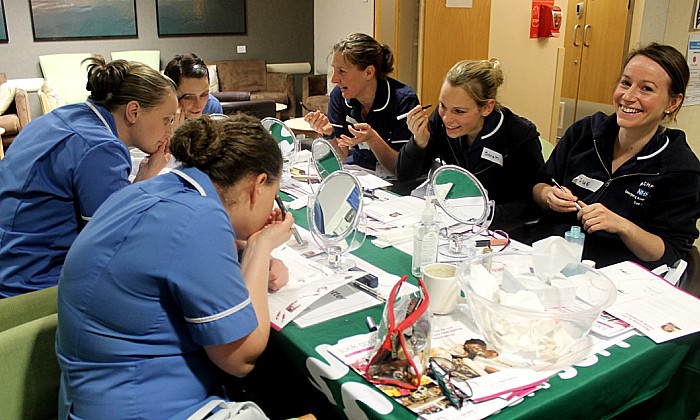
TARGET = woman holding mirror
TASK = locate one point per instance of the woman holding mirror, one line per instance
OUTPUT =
(154, 296)
(471, 129)
(365, 104)
(631, 183)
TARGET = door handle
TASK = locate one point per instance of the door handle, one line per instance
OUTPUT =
(585, 35)
(576, 27)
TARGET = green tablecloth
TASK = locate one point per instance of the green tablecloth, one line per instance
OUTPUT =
(622, 377)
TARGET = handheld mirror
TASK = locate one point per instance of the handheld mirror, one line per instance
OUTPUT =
(335, 217)
(463, 198)
(324, 158)
(286, 140)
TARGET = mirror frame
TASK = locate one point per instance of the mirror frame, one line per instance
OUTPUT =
(311, 209)
(278, 121)
(321, 140)
(441, 201)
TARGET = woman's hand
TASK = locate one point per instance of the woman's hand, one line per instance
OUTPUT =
(276, 232)
(361, 133)
(417, 122)
(279, 275)
(596, 217)
(151, 165)
(319, 122)
(560, 200)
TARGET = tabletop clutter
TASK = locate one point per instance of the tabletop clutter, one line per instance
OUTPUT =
(477, 333)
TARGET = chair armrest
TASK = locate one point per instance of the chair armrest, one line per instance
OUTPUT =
(22, 105)
(313, 85)
(231, 96)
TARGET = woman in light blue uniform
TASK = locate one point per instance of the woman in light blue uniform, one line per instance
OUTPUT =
(153, 298)
(63, 165)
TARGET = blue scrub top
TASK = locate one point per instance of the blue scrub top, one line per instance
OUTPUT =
(213, 106)
(60, 168)
(152, 279)
(391, 99)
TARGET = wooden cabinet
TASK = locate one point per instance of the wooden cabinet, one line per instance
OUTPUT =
(596, 40)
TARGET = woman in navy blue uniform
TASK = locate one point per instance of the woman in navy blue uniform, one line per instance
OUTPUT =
(63, 165)
(191, 75)
(153, 299)
(364, 105)
(471, 129)
(636, 183)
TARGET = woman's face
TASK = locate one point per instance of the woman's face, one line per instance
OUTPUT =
(248, 218)
(194, 94)
(154, 126)
(351, 81)
(459, 112)
(641, 97)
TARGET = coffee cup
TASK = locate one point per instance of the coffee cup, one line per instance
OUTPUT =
(443, 290)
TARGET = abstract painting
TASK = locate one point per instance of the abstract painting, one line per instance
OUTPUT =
(75, 19)
(200, 17)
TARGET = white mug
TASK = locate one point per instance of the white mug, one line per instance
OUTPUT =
(443, 290)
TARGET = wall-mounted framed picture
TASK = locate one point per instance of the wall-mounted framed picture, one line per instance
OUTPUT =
(696, 18)
(200, 17)
(66, 20)
(4, 39)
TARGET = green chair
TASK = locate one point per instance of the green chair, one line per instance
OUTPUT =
(29, 370)
(547, 148)
(150, 58)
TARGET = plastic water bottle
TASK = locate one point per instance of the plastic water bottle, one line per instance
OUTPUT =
(576, 238)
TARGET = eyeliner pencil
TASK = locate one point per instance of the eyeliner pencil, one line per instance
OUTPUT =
(556, 184)
(283, 209)
(403, 116)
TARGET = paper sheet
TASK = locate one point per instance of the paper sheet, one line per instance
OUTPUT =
(653, 306)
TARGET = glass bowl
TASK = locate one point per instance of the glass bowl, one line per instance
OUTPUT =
(543, 334)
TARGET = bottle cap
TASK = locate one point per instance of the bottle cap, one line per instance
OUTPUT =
(588, 263)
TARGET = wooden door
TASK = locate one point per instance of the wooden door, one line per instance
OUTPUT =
(596, 39)
(450, 35)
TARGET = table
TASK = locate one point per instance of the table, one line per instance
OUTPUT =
(600, 387)
(300, 126)
(279, 108)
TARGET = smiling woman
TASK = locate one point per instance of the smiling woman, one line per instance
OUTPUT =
(635, 182)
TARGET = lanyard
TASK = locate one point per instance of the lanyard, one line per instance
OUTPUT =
(92, 107)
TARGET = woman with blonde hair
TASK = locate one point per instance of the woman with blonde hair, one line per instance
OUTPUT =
(471, 129)
(63, 165)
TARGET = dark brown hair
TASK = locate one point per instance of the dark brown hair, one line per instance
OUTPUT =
(228, 149)
(120, 82)
(186, 65)
(363, 51)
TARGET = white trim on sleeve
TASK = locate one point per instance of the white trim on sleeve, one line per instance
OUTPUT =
(220, 315)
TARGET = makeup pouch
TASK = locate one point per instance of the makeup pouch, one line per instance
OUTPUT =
(401, 354)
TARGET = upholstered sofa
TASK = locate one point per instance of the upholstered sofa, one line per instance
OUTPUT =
(16, 116)
(252, 76)
(314, 93)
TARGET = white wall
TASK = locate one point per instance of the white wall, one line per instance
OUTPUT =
(530, 65)
(336, 19)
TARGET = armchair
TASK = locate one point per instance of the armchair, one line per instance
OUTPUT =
(16, 116)
(252, 76)
(233, 102)
(314, 93)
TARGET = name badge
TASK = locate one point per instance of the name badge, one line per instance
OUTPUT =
(587, 183)
(492, 156)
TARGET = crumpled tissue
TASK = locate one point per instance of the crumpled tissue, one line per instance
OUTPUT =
(551, 255)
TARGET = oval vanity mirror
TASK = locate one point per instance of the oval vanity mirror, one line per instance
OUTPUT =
(286, 140)
(324, 158)
(460, 194)
(335, 217)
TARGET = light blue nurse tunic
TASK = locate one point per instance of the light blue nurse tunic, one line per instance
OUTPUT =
(60, 168)
(152, 279)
